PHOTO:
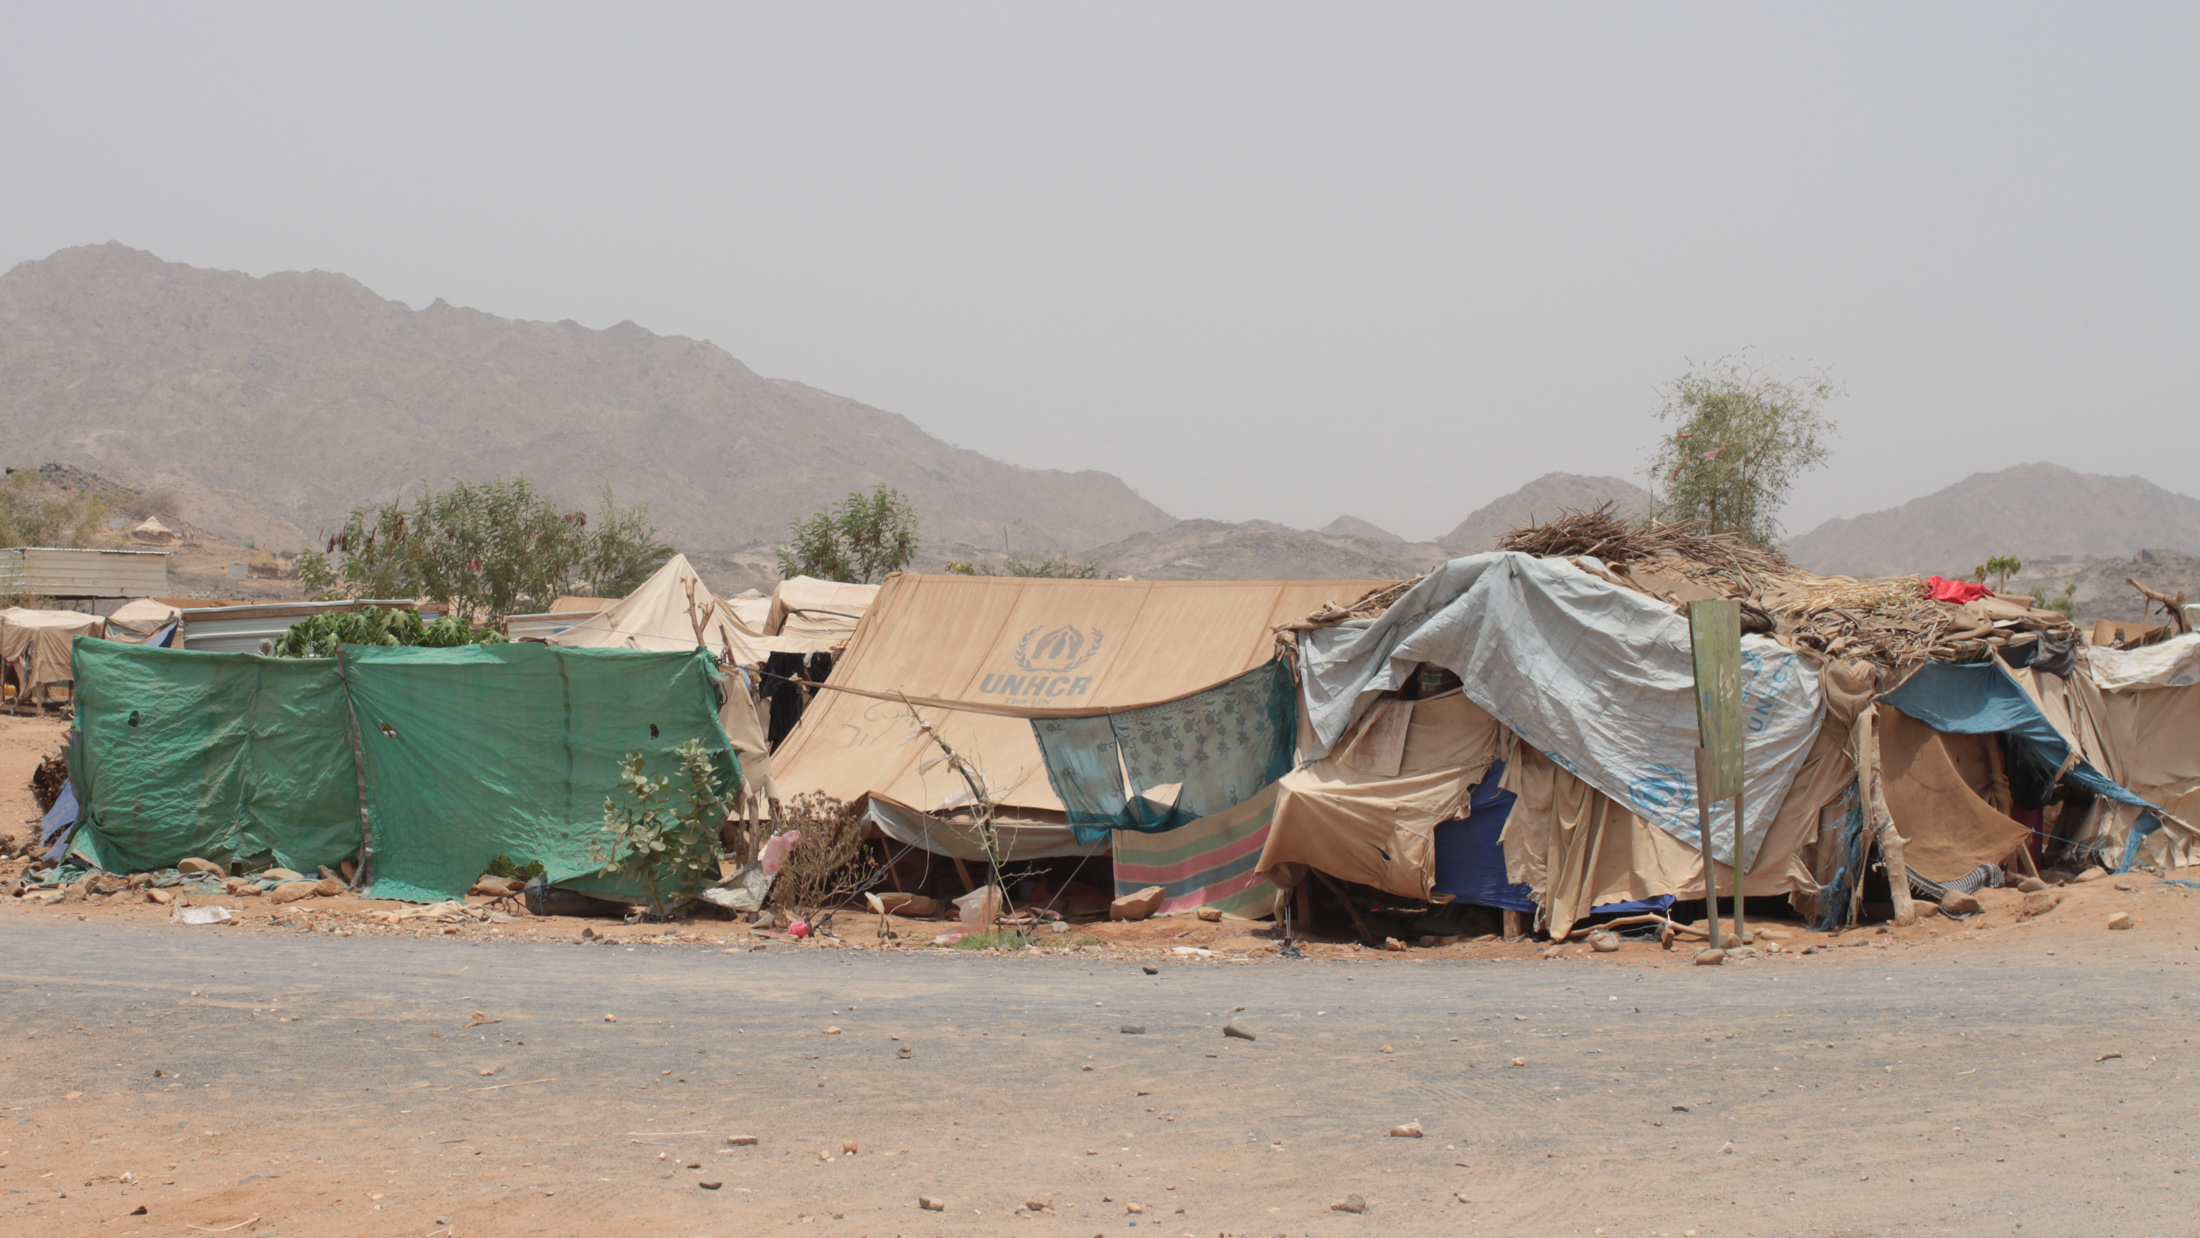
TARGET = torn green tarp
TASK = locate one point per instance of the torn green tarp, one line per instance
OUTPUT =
(1183, 760)
(467, 753)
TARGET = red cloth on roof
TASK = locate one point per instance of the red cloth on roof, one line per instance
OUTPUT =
(1957, 591)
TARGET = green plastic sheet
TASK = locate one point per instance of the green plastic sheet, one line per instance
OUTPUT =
(467, 754)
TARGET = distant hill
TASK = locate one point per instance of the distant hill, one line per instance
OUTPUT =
(1353, 526)
(1260, 550)
(1542, 499)
(271, 406)
(2033, 511)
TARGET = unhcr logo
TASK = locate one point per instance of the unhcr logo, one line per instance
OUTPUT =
(1057, 650)
(1049, 655)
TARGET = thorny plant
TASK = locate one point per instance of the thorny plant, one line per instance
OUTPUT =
(669, 846)
(828, 863)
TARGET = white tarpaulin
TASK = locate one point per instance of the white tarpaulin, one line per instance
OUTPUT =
(1599, 677)
(2175, 663)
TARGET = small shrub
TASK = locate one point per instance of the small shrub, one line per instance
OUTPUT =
(829, 863)
(669, 846)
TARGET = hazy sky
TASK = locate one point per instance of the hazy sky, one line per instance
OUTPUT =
(1260, 260)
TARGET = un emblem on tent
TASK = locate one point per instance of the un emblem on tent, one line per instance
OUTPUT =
(1057, 650)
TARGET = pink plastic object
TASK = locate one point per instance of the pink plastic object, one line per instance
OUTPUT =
(776, 849)
(800, 928)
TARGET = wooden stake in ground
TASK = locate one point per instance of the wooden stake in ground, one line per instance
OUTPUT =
(1715, 641)
(1704, 773)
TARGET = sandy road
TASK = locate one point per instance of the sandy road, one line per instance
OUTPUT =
(316, 1084)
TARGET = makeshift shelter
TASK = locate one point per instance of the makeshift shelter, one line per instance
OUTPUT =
(421, 764)
(141, 619)
(34, 647)
(152, 532)
(967, 662)
(674, 611)
(2142, 718)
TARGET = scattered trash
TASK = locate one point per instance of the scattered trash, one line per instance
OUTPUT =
(1200, 951)
(201, 915)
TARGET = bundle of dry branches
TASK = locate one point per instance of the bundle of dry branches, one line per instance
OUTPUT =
(1887, 620)
(1370, 604)
(1603, 533)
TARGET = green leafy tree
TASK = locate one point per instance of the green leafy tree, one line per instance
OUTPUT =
(666, 840)
(486, 548)
(319, 635)
(857, 540)
(34, 513)
(1741, 436)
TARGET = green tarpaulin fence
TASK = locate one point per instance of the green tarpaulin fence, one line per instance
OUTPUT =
(465, 754)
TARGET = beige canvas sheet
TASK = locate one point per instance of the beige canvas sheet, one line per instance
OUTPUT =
(1377, 830)
(1936, 787)
(2156, 732)
(1575, 848)
(35, 644)
(977, 656)
(825, 612)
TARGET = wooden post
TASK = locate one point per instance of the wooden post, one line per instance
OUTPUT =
(1516, 926)
(1304, 897)
(1346, 899)
(1703, 838)
(1881, 821)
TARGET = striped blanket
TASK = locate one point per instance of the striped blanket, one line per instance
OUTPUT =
(1204, 863)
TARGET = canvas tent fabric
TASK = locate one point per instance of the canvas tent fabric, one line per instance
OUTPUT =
(1578, 849)
(1017, 840)
(1983, 698)
(35, 644)
(1377, 827)
(813, 614)
(1941, 790)
(464, 754)
(1161, 766)
(662, 615)
(976, 657)
(140, 618)
(1580, 668)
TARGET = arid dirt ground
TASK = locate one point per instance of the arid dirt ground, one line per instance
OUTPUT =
(307, 1070)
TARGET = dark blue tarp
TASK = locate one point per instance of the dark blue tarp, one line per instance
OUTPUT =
(1470, 862)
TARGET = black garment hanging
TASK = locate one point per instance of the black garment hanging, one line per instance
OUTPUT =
(783, 675)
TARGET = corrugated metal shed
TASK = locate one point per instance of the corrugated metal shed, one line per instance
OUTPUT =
(240, 629)
(70, 572)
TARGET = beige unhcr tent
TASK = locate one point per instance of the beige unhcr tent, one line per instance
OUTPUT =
(976, 657)
(674, 610)
(34, 645)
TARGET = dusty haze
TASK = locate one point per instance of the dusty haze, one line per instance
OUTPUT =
(1259, 261)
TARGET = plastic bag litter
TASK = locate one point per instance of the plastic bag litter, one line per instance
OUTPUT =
(776, 848)
(742, 890)
(979, 908)
(200, 915)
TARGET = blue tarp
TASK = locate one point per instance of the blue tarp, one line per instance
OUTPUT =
(1184, 759)
(57, 826)
(1470, 861)
(1982, 699)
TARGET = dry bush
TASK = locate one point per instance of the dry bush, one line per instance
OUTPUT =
(48, 779)
(829, 863)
